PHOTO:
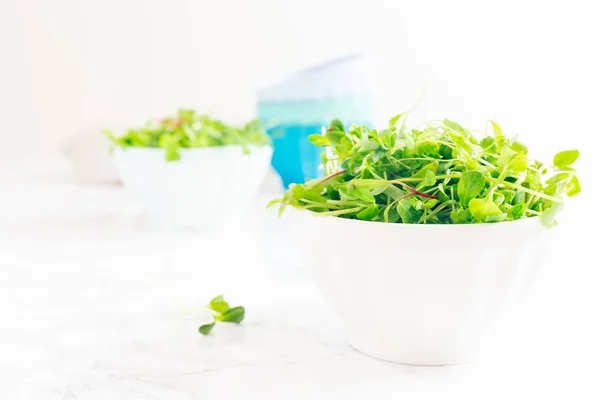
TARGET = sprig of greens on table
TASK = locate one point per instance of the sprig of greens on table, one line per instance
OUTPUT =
(436, 173)
(222, 312)
(187, 129)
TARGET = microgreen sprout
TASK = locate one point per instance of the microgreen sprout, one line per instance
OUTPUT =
(188, 129)
(222, 312)
(437, 173)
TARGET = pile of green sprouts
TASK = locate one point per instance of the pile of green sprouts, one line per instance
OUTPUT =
(437, 173)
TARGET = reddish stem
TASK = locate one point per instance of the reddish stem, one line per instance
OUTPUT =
(333, 175)
(414, 191)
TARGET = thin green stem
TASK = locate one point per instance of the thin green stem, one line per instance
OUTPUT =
(311, 204)
(489, 164)
(343, 203)
(340, 212)
(437, 178)
(530, 191)
(531, 200)
(380, 182)
(430, 190)
(439, 208)
(429, 159)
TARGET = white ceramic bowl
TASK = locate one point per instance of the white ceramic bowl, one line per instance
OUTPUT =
(417, 294)
(206, 188)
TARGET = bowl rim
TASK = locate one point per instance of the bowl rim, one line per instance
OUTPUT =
(189, 149)
(357, 222)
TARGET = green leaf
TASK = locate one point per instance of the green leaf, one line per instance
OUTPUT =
(548, 217)
(218, 304)
(575, 188)
(367, 145)
(460, 216)
(471, 183)
(498, 198)
(390, 214)
(313, 196)
(170, 144)
(558, 178)
(223, 313)
(431, 167)
(497, 129)
(429, 179)
(206, 329)
(378, 190)
(512, 161)
(483, 208)
(335, 137)
(519, 147)
(565, 158)
(234, 315)
(454, 126)
(509, 195)
(429, 204)
(519, 163)
(443, 197)
(500, 140)
(362, 194)
(407, 212)
(395, 119)
(519, 197)
(347, 143)
(488, 143)
(273, 202)
(446, 152)
(394, 192)
(121, 142)
(172, 155)
(336, 124)
(496, 217)
(318, 140)
(430, 149)
(517, 211)
(369, 213)
(550, 190)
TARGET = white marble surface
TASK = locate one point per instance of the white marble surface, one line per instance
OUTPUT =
(96, 306)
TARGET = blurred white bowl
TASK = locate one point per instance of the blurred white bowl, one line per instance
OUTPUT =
(206, 188)
(418, 294)
(89, 155)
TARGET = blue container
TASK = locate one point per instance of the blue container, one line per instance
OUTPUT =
(294, 158)
(303, 103)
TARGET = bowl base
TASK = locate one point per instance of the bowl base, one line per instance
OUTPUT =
(397, 356)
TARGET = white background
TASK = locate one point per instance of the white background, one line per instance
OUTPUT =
(75, 268)
(78, 65)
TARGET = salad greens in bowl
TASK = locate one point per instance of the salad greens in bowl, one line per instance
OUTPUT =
(435, 173)
(417, 294)
(188, 129)
(189, 171)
